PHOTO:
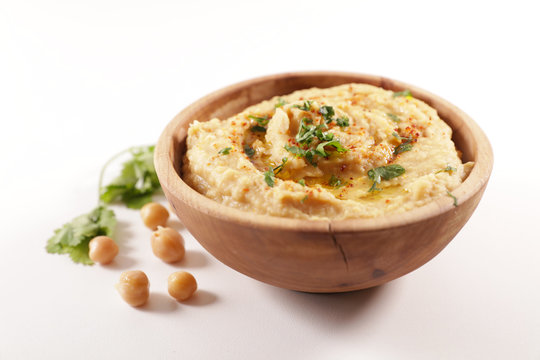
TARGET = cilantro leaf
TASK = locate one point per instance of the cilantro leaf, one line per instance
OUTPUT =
(327, 112)
(269, 177)
(335, 181)
(280, 103)
(258, 128)
(405, 92)
(384, 173)
(302, 182)
(343, 121)
(305, 107)
(402, 148)
(261, 120)
(137, 182)
(249, 151)
(225, 151)
(73, 237)
(406, 146)
(447, 169)
(335, 143)
(280, 167)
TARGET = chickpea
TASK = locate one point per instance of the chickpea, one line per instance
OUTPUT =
(102, 249)
(167, 244)
(134, 287)
(154, 215)
(181, 285)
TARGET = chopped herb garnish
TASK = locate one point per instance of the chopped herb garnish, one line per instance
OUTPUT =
(278, 168)
(304, 199)
(280, 103)
(305, 107)
(258, 128)
(402, 148)
(453, 197)
(327, 112)
(406, 92)
(323, 136)
(262, 120)
(384, 173)
(302, 182)
(335, 143)
(225, 151)
(393, 117)
(406, 146)
(334, 181)
(447, 169)
(249, 151)
(342, 121)
(295, 150)
(269, 177)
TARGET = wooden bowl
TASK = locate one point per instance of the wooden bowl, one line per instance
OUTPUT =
(319, 255)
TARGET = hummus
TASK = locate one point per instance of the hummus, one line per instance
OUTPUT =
(350, 151)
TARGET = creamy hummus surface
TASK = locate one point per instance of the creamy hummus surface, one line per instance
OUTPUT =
(351, 151)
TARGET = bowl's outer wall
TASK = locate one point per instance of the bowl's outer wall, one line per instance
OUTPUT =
(325, 256)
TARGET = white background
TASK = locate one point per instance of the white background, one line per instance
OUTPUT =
(80, 81)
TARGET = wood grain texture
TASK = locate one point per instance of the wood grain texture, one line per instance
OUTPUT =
(319, 256)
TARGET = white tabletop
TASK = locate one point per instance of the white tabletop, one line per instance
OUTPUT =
(80, 81)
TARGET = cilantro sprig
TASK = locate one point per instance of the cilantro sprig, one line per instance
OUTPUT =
(225, 151)
(73, 237)
(406, 146)
(249, 151)
(280, 103)
(406, 93)
(306, 106)
(335, 181)
(448, 169)
(270, 174)
(134, 186)
(384, 173)
(137, 182)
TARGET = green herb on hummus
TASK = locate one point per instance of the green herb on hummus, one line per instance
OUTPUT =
(448, 169)
(342, 121)
(249, 151)
(305, 107)
(334, 143)
(280, 103)
(261, 120)
(270, 175)
(406, 92)
(334, 181)
(406, 146)
(258, 128)
(453, 197)
(384, 173)
(225, 151)
(327, 112)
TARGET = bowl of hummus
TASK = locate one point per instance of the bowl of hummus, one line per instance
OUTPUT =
(323, 181)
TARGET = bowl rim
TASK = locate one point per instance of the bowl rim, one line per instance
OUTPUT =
(174, 184)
